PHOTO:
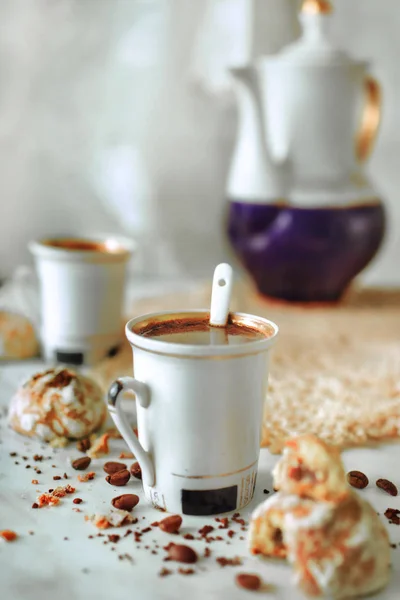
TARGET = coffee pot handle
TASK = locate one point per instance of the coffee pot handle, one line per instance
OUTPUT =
(142, 393)
(370, 119)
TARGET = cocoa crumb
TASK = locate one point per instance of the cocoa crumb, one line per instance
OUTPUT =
(27, 466)
(35, 482)
(65, 476)
(231, 533)
(229, 562)
(56, 477)
(38, 471)
(146, 530)
(224, 522)
(188, 536)
(204, 531)
(87, 477)
(38, 457)
(8, 535)
(207, 552)
(77, 500)
(164, 572)
(114, 538)
(13, 454)
(186, 571)
(154, 524)
(35, 505)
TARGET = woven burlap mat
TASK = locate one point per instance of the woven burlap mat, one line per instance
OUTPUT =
(334, 371)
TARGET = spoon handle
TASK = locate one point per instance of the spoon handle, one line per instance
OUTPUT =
(221, 295)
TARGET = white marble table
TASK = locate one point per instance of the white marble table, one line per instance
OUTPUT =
(43, 565)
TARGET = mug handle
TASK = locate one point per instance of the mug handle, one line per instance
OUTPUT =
(370, 120)
(142, 393)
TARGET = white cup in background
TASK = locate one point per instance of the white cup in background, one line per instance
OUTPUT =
(82, 283)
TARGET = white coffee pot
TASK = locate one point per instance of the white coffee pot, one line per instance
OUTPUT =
(308, 118)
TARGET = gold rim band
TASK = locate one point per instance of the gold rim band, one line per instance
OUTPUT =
(316, 7)
(371, 118)
(214, 476)
(200, 356)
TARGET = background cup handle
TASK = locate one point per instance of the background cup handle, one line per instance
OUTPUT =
(142, 393)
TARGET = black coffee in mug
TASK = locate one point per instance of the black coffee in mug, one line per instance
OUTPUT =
(193, 330)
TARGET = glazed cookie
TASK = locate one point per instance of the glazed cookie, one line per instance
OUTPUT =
(336, 550)
(56, 404)
(17, 336)
(312, 469)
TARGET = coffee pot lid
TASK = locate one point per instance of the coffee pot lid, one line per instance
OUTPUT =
(314, 48)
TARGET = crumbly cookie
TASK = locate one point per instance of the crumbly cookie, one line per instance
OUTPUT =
(57, 403)
(17, 336)
(310, 468)
(338, 550)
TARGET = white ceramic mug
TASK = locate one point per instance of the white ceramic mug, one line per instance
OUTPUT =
(199, 415)
(82, 282)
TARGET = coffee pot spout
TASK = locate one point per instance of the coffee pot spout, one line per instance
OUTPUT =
(254, 172)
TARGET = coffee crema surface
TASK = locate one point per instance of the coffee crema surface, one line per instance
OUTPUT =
(85, 245)
(198, 332)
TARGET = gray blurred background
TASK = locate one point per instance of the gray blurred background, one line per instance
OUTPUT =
(117, 116)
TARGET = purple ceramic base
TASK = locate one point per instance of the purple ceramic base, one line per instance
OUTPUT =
(305, 254)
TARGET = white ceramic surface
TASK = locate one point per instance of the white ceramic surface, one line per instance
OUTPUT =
(44, 566)
(82, 295)
(191, 398)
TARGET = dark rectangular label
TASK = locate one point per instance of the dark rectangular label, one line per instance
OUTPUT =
(71, 358)
(209, 502)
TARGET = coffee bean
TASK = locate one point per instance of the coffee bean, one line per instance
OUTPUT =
(113, 467)
(182, 553)
(136, 471)
(387, 486)
(247, 581)
(83, 445)
(171, 524)
(119, 478)
(357, 479)
(125, 502)
(80, 464)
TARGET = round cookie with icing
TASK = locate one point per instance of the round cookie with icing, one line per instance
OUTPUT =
(57, 403)
(337, 550)
(17, 336)
(310, 468)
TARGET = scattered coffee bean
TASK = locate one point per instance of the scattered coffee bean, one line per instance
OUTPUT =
(393, 515)
(136, 471)
(181, 553)
(83, 445)
(77, 500)
(247, 581)
(357, 479)
(387, 486)
(125, 502)
(80, 464)
(171, 524)
(113, 467)
(119, 478)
